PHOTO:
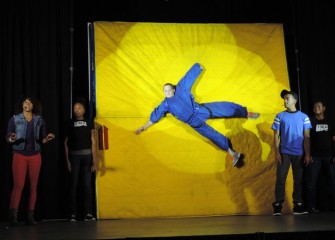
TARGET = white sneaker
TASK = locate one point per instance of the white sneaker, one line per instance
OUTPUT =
(89, 217)
(253, 115)
(72, 218)
(237, 158)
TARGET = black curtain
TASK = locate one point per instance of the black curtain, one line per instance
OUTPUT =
(43, 51)
(35, 59)
(316, 49)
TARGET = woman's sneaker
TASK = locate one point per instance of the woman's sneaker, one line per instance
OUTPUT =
(89, 217)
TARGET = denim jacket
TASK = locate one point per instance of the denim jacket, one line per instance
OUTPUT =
(21, 129)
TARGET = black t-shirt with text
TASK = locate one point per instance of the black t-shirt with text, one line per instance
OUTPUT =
(321, 137)
(79, 134)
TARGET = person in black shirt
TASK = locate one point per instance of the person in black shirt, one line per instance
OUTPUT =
(322, 151)
(79, 146)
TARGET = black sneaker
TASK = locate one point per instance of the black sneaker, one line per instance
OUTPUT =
(238, 160)
(312, 210)
(276, 208)
(299, 209)
(89, 217)
(72, 218)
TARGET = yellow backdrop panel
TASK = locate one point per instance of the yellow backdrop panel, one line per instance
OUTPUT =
(170, 170)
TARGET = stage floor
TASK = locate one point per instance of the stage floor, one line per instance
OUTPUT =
(316, 226)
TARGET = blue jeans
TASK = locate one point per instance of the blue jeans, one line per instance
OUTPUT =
(312, 175)
(282, 171)
(81, 175)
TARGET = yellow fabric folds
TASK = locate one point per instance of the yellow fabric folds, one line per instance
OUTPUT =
(170, 170)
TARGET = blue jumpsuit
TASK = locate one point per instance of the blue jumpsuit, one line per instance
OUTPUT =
(184, 108)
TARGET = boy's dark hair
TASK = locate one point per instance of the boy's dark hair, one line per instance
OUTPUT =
(80, 100)
(319, 101)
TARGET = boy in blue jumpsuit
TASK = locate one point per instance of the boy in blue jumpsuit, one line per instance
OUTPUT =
(180, 103)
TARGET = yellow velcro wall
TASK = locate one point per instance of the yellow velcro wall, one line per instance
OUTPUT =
(170, 170)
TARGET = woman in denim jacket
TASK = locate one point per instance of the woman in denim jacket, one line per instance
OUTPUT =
(26, 132)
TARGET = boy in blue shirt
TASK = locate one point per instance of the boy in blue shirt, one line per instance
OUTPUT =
(291, 138)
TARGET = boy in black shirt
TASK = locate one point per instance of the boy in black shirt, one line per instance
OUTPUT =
(322, 151)
(79, 146)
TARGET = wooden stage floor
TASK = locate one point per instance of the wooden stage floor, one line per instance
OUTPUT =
(316, 226)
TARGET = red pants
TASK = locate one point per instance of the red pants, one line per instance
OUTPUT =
(22, 164)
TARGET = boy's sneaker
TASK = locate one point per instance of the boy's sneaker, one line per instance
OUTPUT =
(72, 218)
(237, 159)
(276, 208)
(253, 115)
(299, 209)
(89, 217)
(312, 210)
